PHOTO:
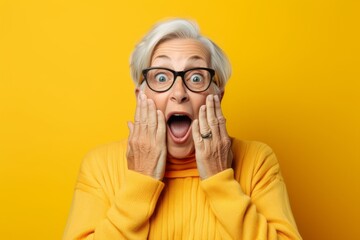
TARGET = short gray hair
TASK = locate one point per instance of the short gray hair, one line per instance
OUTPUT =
(172, 29)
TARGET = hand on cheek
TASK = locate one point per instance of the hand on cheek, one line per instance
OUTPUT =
(146, 152)
(212, 151)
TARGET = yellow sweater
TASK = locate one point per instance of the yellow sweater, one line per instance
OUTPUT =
(248, 201)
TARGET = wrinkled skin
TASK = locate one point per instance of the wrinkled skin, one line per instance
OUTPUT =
(213, 154)
(149, 140)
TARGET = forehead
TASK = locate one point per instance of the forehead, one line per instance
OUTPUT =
(180, 50)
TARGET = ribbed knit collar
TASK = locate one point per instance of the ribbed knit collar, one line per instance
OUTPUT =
(177, 168)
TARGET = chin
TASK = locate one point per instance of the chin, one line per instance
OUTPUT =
(181, 151)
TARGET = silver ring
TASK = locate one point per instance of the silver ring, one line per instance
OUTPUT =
(206, 135)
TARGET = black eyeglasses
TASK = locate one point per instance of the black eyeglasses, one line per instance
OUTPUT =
(161, 79)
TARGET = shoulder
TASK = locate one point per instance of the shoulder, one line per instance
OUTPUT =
(252, 158)
(103, 162)
(251, 149)
(104, 153)
(102, 170)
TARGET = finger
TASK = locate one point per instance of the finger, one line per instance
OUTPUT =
(131, 129)
(220, 117)
(137, 116)
(152, 118)
(196, 132)
(137, 110)
(143, 113)
(161, 127)
(211, 117)
(218, 110)
(203, 124)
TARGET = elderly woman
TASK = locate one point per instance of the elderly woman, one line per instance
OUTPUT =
(179, 175)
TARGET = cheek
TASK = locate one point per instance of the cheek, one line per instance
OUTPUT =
(197, 103)
(199, 99)
(159, 99)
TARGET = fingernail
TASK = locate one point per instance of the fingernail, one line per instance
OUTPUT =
(216, 97)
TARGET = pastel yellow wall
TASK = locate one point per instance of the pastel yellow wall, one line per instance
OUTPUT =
(65, 88)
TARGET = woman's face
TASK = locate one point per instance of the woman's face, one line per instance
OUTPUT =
(179, 105)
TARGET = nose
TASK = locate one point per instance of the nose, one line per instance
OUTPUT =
(179, 92)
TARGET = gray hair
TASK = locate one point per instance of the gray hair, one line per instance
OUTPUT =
(172, 29)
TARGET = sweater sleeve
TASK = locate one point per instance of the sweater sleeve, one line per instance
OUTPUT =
(263, 213)
(95, 214)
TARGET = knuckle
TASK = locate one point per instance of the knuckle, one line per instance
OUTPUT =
(204, 131)
(226, 143)
(213, 122)
(132, 142)
(221, 120)
(144, 147)
(152, 124)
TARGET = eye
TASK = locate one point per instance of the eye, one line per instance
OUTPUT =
(196, 78)
(161, 77)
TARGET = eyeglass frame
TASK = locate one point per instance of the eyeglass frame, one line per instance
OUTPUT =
(177, 74)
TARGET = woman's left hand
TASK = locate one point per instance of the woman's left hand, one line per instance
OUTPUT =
(212, 142)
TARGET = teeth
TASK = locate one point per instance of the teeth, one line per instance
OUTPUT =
(179, 115)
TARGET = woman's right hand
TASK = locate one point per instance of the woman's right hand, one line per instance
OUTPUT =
(146, 152)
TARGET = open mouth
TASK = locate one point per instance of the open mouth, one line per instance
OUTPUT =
(179, 125)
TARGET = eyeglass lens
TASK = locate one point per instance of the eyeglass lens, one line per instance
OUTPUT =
(162, 79)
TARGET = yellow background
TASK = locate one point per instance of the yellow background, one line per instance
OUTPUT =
(65, 88)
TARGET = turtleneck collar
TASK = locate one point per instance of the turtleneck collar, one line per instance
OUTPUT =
(177, 168)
